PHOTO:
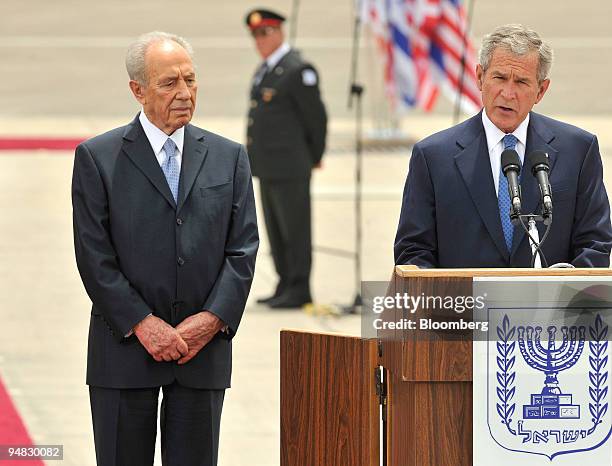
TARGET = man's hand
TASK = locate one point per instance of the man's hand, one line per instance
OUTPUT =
(197, 330)
(160, 339)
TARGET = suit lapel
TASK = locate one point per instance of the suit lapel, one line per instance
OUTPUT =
(194, 154)
(138, 148)
(277, 70)
(539, 137)
(475, 168)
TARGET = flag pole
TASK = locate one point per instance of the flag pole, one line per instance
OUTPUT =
(294, 22)
(468, 23)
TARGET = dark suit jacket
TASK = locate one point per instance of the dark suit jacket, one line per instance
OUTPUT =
(140, 253)
(287, 123)
(450, 216)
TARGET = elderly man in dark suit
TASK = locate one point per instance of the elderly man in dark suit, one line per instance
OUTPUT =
(165, 237)
(455, 205)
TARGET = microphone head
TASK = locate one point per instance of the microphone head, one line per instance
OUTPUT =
(510, 161)
(539, 161)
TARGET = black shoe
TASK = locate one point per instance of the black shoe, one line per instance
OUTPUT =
(288, 302)
(267, 300)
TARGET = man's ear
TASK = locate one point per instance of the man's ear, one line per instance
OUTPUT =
(138, 91)
(479, 74)
(542, 90)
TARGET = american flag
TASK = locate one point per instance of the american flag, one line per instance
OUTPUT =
(423, 44)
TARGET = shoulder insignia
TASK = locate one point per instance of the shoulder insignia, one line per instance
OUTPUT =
(309, 78)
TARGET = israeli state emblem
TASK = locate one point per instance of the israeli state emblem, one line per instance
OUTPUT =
(549, 387)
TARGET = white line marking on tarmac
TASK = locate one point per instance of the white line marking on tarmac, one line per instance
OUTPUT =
(368, 193)
(76, 42)
(243, 42)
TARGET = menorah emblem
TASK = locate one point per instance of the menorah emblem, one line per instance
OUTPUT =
(570, 415)
(551, 360)
(551, 403)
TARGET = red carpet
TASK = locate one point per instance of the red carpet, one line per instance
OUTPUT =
(12, 430)
(32, 143)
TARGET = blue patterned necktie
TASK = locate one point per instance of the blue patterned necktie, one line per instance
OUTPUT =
(503, 196)
(170, 167)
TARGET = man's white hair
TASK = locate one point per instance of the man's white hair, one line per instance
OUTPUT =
(135, 58)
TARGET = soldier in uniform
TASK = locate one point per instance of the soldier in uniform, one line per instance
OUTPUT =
(287, 126)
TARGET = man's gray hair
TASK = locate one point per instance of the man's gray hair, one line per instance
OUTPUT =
(519, 40)
(135, 58)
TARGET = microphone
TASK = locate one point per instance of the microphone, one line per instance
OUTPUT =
(540, 169)
(511, 168)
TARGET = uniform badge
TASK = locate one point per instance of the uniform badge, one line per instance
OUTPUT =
(309, 78)
(267, 94)
(254, 19)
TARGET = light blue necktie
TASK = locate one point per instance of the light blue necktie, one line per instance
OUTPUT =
(170, 167)
(503, 196)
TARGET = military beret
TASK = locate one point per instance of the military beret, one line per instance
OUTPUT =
(262, 18)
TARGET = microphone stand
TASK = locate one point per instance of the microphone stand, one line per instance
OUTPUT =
(356, 91)
(536, 243)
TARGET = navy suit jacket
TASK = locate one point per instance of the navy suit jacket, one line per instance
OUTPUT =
(450, 216)
(140, 252)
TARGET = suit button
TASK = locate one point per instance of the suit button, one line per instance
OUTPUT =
(179, 221)
(250, 122)
(180, 261)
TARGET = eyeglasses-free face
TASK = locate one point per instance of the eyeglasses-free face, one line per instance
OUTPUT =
(263, 32)
(267, 39)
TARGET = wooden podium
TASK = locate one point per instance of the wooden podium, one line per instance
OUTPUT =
(338, 393)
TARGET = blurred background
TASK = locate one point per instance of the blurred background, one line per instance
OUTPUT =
(62, 75)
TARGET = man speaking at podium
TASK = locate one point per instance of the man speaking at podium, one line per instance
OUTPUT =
(453, 204)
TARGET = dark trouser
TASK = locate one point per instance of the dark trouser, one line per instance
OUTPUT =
(286, 207)
(125, 425)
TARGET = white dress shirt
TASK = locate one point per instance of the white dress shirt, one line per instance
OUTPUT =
(157, 138)
(496, 146)
(277, 55)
